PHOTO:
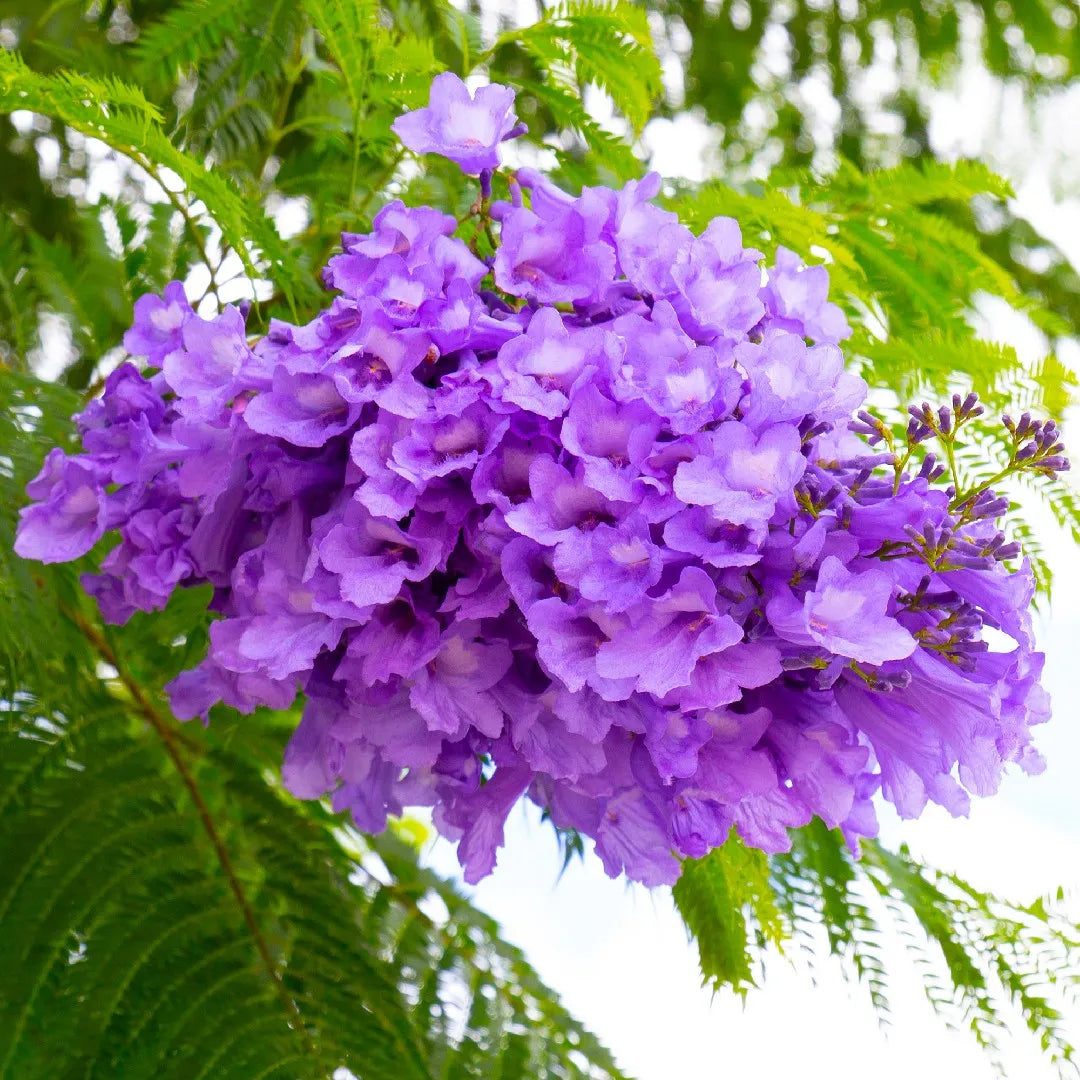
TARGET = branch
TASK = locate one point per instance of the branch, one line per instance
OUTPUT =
(192, 226)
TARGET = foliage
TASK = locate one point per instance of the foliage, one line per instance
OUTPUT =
(913, 47)
(815, 82)
(978, 956)
(240, 139)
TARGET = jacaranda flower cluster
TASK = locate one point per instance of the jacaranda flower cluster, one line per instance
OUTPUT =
(594, 520)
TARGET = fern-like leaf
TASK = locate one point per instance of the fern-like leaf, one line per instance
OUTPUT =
(977, 955)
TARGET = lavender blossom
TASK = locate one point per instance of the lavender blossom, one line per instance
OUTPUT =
(607, 536)
(466, 128)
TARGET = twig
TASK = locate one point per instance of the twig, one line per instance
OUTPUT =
(278, 128)
(192, 226)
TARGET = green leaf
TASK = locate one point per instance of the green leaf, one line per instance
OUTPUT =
(981, 959)
(719, 897)
(120, 116)
(607, 44)
(191, 32)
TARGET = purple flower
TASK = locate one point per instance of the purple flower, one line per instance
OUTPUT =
(742, 477)
(764, 821)
(452, 692)
(278, 646)
(612, 564)
(383, 718)
(913, 761)
(153, 557)
(371, 557)
(611, 440)
(633, 838)
(377, 364)
(409, 231)
(435, 447)
(122, 431)
(542, 366)
(70, 513)
(698, 531)
(722, 677)
(719, 283)
(385, 492)
(159, 323)
(586, 521)
(846, 613)
(206, 372)
(502, 473)
(796, 299)
(195, 692)
(686, 384)
(668, 636)
(128, 397)
(560, 505)
(819, 751)
(568, 639)
(313, 757)
(544, 741)
(480, 816)
(396, 641)
(648, 240)
(791, 381)
(556, 252)
(463, 127)
(306, 410)
(421, 236)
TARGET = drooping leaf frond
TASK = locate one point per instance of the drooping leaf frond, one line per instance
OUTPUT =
(120, 116)
(981, 959)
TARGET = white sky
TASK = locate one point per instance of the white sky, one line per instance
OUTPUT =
(618, 955)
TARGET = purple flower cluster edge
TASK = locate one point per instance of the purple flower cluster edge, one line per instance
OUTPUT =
(593, 520)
